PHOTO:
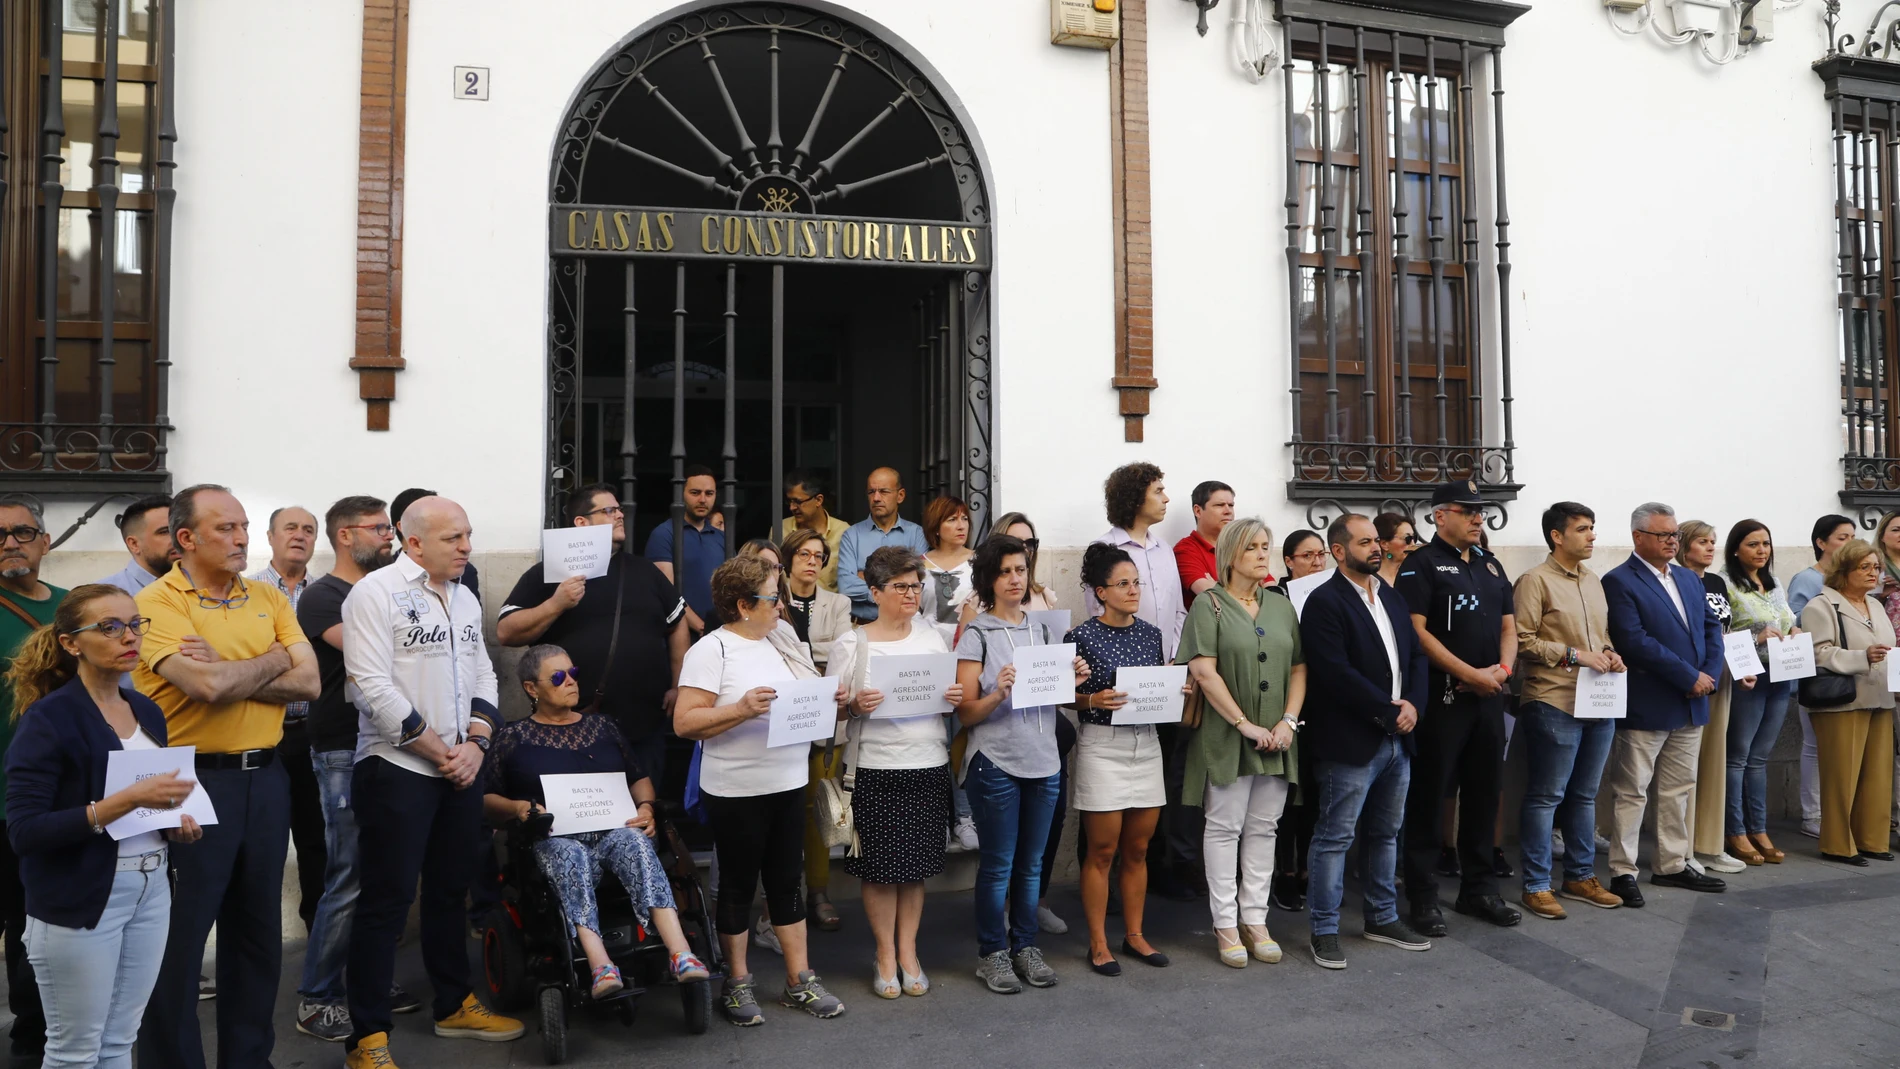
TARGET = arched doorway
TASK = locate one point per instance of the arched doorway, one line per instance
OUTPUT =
(769, 251)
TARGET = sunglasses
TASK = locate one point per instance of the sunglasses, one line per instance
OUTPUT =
(562, 675)
(111, 627)
(1411, 540)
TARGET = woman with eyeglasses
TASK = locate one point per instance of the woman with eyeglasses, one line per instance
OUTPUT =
(1011, 769)
(98, 909)
(754, 794)
(818, 616)
(1853, 637)
(1397, 538)
(1118, 777)
(556, 739)
(1305, 554)
(900, 801)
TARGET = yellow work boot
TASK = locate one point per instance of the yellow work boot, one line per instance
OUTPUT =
(371, 1052)
(473, 1021)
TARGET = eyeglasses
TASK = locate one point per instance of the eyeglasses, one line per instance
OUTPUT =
(605, 510)
(793, 504)
(817, 555)
(22, 534)
(112, 627)
(381, 530)
(1462, 510)
(236, 601)
(1663, 536)
(562, 675)
(1126, 584)
(905, 588)
(1311, 554)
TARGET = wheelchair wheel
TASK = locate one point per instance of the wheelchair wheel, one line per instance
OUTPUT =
(554, 1025)
(505, 962)
(696, 1000)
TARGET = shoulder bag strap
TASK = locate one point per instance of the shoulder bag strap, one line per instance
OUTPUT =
(13, 607)
(613, 639)
(852, 734)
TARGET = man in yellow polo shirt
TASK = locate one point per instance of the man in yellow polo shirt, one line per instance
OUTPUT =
(222, 660)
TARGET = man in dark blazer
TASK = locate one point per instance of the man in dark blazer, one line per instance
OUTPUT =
(1661, 625)
(1366, 676)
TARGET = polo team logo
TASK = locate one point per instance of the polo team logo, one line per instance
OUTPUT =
(410, 605)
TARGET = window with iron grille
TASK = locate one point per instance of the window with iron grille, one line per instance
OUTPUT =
(86, 139)
(1397, 233)
(1863, 95)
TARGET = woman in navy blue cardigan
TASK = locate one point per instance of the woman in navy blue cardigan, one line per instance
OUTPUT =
(98, 909)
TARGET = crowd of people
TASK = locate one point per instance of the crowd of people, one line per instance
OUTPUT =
(355, 714)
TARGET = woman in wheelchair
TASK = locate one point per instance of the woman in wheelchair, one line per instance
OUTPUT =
(558, 740)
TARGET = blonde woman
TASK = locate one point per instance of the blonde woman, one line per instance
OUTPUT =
(1852, 636)
(1697, 552)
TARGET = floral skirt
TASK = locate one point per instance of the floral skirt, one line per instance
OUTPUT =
(902, 816)
(573, 865)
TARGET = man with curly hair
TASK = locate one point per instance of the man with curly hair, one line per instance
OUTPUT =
(1136, 503)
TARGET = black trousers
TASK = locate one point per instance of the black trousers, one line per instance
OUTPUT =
(759, 838)
(23, 994)
(409, 828)
(1460, 746)
(306, 819)
(234, 878)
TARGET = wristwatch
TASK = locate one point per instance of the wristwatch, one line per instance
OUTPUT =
(1290, 723)
(482, 741)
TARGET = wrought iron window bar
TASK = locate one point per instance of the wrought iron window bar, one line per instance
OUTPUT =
(1862, 87)
(96, 450)
(1451, 45)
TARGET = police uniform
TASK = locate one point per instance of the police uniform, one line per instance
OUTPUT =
(1464, 600)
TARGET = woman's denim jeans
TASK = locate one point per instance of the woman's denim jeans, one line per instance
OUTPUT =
(94, 982)
(1754, 722)
(1012, 823)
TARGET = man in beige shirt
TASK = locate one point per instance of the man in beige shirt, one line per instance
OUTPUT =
(1562, 627)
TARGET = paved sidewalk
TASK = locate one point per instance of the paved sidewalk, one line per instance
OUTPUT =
(1805, 955)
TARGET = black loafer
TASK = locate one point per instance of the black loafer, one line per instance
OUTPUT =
(1111, 967)
(1487, 908)
(1877, 855)
(1428, 921)
(1625, 888)
(1156, 959)
(1690, 880)
(1859, 861)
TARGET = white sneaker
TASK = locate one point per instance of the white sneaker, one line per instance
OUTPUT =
(1556, 844)
(1603, 841)
(1694, 865)
(1721, 862)
(765, 938)
(1811, 829)
(964, 834)
(1049, 922)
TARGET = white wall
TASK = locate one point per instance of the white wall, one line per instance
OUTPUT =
(1672, 296)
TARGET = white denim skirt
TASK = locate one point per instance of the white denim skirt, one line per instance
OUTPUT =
(1117, 768)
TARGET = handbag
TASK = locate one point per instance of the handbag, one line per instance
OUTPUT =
(831, 805)
(1196, 704)
(1826, 687)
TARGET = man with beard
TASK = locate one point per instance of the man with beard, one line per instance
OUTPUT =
(625, 631)
(1365, 680)
(222, 659)
(703, 545)
(364, 540)
(146, 527)
(25, 604)
(293, 538)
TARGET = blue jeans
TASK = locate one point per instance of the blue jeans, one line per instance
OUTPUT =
(1012, 823)
(1376, 789)
(329, 948)
(1754, 722)
(94, 981)
(1566, 758)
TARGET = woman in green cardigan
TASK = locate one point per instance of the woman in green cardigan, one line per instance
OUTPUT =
(1243, 651)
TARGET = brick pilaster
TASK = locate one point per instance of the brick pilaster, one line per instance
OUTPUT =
(1134, 270)
(379, 200)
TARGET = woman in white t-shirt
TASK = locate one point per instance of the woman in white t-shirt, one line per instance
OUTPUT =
(754, 793)
(900, 802)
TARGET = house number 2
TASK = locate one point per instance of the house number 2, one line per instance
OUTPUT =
(471, 83)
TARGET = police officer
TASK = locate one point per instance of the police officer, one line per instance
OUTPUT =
(1460, 601)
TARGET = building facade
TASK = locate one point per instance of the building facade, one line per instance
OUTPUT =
(455, 243)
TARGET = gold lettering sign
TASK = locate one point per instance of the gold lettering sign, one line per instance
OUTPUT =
(590, 231)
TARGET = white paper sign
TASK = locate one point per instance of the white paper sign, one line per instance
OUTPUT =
(1154, 694)
(1602, 695)
(584, 551)
(1790, 658)
(1300, 589)
(805, 711)
(1892, 661)
(912, 684)
(1045, 675)
(126, 767)
(594, 801)
(1739, 648)
(1053, 622)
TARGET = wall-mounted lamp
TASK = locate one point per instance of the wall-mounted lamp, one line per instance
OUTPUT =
(1205, 6)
